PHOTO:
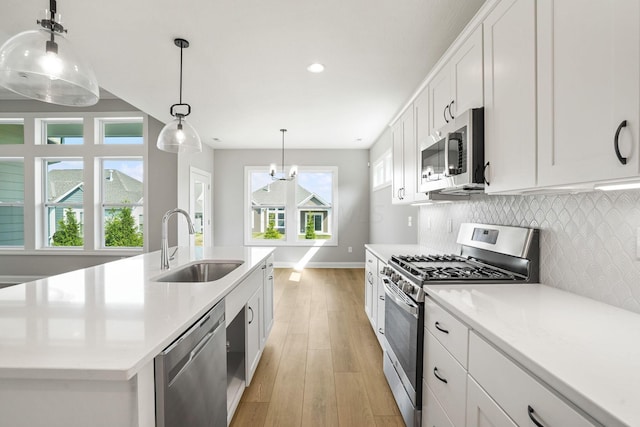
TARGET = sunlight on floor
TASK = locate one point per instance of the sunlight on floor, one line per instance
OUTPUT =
(295, 276)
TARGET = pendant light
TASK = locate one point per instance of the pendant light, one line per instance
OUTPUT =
(178, 136)
(42, 64)
(282, 177)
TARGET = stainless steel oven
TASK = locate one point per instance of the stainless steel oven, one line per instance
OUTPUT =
(489, 254)
(453, 161)
(403, 321)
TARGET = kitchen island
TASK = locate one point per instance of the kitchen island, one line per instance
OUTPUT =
(77, 349)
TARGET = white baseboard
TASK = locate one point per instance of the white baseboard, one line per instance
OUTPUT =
(321, 265)
(18, 279)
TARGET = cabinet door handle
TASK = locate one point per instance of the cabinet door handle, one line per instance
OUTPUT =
(381, 331)
(251, 310)
(381, 297)
(440, 329)
(435, 372)
(270, 277)
(444, 113)
(450, 113)
(616, 146)
(532, 418)
(484, 173)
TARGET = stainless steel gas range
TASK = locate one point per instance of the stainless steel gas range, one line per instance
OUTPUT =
(489, 254)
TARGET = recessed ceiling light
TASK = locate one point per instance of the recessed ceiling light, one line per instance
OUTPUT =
(316, 67)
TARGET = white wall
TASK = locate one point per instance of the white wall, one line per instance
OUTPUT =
(353, 193)
(389, 223)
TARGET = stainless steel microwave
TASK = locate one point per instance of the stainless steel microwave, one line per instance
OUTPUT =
(452, 159)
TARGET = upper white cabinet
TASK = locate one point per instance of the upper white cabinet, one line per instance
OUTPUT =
(458, 85)
(588, 86)
(510, 96)
(404, 159)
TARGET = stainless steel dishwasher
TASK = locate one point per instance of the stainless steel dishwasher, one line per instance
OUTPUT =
(191, 376)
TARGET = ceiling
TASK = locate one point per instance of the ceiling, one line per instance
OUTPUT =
(245, 70)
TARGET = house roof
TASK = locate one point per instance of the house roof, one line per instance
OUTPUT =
(119, 187)
(274, 194)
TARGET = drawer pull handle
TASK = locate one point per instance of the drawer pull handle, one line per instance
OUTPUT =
(440, 329)
(435, 372)
(381, 297)
(381, 331)
(531, 412)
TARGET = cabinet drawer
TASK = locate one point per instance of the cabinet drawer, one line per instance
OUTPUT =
(446, 378)
(451, 333)
(482, 410)
(517, 392)
(432, 413)
(371, 262)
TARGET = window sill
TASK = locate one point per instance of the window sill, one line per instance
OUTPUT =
(313, 243)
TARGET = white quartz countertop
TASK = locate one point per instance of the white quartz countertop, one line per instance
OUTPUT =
(586, 350)
(107, 322)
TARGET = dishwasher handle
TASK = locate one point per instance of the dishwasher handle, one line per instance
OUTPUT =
(194, 353)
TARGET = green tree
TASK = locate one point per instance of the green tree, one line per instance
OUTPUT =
(310, 230)
(271, 232)
(68, 230)
(120, 229)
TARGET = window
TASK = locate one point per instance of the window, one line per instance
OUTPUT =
(64, 202)
(11, 202)
(122, 202)
(63, 131)
(297, 212)
(11, 131)
(382, 171)
(71, 182)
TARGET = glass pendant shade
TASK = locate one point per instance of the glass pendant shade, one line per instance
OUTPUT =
(31, 67)
(176, 140)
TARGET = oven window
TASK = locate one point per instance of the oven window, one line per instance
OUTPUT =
(401, 331)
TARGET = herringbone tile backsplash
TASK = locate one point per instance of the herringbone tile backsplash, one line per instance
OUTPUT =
(587, 244)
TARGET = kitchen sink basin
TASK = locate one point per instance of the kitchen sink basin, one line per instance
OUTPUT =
(206, 271)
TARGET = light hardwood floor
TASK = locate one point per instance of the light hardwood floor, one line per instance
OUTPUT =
(322, 364)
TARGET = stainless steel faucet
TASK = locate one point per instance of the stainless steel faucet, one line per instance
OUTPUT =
(164, 250)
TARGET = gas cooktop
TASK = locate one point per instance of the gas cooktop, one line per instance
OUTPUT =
(428, 268)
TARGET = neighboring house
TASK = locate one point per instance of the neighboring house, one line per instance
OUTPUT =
(66, 186)
(269, 201)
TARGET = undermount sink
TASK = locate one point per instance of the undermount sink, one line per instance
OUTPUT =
(206, 271)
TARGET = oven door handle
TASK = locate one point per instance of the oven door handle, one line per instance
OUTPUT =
(409, 308)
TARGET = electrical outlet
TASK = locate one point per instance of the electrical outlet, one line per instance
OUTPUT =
(449, 226)
(350, 249)
(409, 220)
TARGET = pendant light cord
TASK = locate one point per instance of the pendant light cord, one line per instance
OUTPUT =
(283, 131)
(181, 49)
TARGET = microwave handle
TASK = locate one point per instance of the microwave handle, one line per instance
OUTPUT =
(446, 155)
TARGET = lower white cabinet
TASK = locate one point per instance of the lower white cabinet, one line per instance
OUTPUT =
(370, 287)
(446, 378)
(253, 335)
(522, 397)
(482, 410)
(268, 282)
(433, 414)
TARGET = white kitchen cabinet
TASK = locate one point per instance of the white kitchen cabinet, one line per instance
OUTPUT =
(422, 138)
(482, 410)
(253, 334)
(510, 97)
(370, 287)
(446, 378)
(379, 297)
(404, 159)
(449, 331)
(458, 85)
(432, 412)
(588, 84)
(520, 395)
(268, 282)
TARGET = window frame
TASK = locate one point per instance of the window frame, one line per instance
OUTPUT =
(33, 151)
(15, 204)
(292, 211)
